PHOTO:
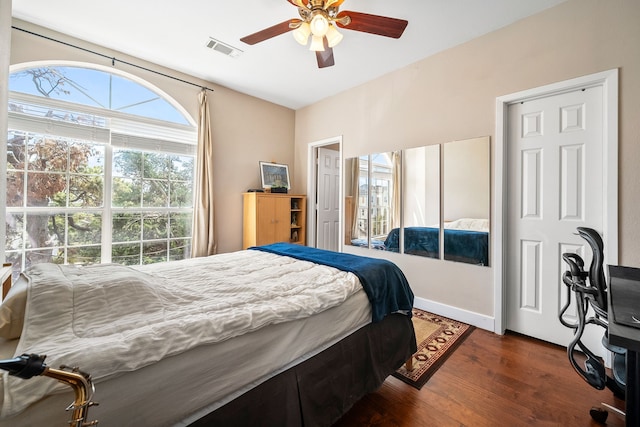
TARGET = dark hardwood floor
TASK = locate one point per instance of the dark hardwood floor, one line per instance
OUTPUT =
(490, 380)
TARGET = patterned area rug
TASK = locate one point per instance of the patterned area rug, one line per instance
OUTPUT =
(437, 338)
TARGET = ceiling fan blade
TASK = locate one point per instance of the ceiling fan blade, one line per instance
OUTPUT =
(270, 32)
(325, 58)
(373, 24)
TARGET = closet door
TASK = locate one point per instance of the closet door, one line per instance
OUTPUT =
(557, 166)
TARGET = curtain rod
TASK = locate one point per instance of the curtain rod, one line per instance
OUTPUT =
(112, 58)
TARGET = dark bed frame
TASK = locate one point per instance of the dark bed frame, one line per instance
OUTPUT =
(318, 391)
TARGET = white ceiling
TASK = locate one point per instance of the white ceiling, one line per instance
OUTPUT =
(175, 33)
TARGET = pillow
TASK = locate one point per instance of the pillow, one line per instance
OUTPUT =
(12, 310)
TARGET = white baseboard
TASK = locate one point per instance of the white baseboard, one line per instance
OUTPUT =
(469, 317)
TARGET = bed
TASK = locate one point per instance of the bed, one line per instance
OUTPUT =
(278, 335)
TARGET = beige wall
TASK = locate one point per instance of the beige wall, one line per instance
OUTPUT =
(245, 129)
(452, 96)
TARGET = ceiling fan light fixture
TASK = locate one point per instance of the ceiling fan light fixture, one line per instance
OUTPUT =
(317, 44)
(319, 25)
(333, 36)
(301, 34)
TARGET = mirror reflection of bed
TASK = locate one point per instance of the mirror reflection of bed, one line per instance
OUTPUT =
(445, 204)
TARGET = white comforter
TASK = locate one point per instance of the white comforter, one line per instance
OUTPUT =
(108, 319)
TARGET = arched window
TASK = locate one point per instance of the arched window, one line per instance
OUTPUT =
(100, 169)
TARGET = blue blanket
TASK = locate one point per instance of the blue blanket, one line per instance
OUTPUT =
(383, 282)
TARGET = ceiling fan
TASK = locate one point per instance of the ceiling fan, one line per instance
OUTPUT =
(319, 19)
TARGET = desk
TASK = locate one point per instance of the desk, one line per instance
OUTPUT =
(626, 336)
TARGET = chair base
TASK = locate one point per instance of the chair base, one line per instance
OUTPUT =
(599, 415)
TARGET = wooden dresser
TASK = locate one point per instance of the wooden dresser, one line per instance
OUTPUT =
(273, 217)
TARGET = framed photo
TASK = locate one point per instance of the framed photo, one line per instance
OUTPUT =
(274, 175)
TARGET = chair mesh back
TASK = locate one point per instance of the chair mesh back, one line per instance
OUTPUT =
(596, 269)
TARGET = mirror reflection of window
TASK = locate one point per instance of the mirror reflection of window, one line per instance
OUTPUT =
(384, 199)
(351, 169)
(357, 201)
(372, 201)
(421, 210)
(466, 201)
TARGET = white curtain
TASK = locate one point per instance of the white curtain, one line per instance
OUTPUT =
(204, 237)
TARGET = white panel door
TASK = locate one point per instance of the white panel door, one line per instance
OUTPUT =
(328, 203)
(555, 169)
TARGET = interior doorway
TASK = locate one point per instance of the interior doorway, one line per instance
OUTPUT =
(325, 195)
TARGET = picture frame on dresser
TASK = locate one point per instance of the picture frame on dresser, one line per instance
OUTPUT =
(274, 175)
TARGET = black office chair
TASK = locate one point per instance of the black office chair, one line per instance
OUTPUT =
(590, 290)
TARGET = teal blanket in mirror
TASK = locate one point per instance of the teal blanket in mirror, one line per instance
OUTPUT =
(466, 246)
(459, 245)
(383, 282)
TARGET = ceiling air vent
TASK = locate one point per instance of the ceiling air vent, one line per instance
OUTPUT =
(224, 48)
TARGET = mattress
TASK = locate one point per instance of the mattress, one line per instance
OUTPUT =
(180, 389)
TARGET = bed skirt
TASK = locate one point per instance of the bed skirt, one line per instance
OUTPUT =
(318, 391)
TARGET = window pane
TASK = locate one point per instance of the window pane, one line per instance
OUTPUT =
(46, 189)
(45, 230)
(127, 254)
(154, 252)
(16, 149)
(86, 191)
(156, 166)
(126, 192)
(14, 231)
(180, 225)
(181, 194)
(182, 168)
(155, 193)
(127, 163)
(84, 228)
(126, 227)
(87, 157)
(84, 255)
(47, 154)
(154, 226)
(179, 249)
(132, 98)
(15, 189)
